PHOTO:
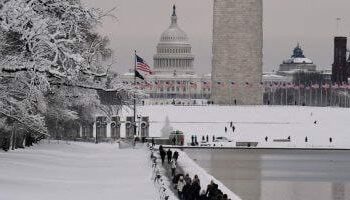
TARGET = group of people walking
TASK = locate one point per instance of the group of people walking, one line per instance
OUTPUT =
(190, 189)
(171, 158)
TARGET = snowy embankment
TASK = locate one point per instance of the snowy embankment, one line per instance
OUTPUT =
(192, 168)
(76, 171)
(254, 123)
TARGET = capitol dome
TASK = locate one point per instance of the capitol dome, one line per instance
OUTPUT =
(174, 34)
(174, 51)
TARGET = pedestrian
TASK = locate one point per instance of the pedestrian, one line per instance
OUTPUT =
(135, 140)
(161, 148)
(231, 124)
(153, 142)
(187, 178)
(306, 139)
(266, 138)
(213, 138)
(180, 185)
(196, 179)
(233, 128)
(195, 140)
(288, 138)
(162, 155)
(169, 155)
(225, 129)
(330, 140)
(173, 167)
(203, 138)
(207, 138)
(174, 141)
(195, 188)
(210, 190)
(224, 197)
(192, 140)
(202, 196)
(176, 155)
(187, 191)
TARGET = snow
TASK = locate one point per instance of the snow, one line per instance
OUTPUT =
(76, 171)
(192, 168)
(254, 123)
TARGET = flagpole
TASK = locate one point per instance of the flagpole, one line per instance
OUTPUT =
(135, 63)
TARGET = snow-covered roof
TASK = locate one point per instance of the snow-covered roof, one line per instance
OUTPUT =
(298, 61)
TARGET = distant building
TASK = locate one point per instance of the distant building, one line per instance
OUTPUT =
(174, 79)
(298, 62)
(340, 66)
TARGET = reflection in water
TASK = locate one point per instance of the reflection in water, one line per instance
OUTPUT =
(279, 174)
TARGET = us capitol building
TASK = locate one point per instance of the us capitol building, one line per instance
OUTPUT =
(174, 77)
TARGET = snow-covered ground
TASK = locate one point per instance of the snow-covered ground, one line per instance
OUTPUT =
(76, 171)
(254, 123)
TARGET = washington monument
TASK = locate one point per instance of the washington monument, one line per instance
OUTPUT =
(237, 52)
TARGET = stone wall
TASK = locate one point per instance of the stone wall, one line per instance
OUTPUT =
(237, 52)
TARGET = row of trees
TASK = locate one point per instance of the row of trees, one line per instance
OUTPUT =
(51, 67)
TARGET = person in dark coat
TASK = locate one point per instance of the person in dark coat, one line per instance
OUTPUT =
(210, 190)
(153, 142)
(162, 155)
(225, 129)
(330, 140)
(174, 141)
(169, 154)
(266, 139)
(187, 178)
(213, 138)
(195, 188)
(186, 191)
(203, 196)
(161, 148)
(176, 155)
(306, 139)
(207, 138)
(233, 129)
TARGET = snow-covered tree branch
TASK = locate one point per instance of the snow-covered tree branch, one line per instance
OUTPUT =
(51, 63)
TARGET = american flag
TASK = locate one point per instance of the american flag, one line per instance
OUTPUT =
(142, 66)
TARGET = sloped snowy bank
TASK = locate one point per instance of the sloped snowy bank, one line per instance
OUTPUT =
(192, 168)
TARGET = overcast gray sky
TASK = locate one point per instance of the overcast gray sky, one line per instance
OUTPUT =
(286, 22)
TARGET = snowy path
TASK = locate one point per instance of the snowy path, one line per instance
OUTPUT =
(76, 171)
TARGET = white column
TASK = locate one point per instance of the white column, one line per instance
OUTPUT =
(80, 130)
(94, 130)
(108, 130)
